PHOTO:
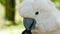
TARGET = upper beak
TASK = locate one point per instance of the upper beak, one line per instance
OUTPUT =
(29, 23)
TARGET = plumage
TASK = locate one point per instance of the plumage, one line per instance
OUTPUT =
(48, 19)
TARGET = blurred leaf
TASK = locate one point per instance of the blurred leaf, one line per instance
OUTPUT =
(10, 11)
(21, 1)
(57, 3)
(55, 0)
(3, 2)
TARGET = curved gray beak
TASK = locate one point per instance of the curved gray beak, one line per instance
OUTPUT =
(29, 23)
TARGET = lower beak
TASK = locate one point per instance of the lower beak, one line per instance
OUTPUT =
(29, 23)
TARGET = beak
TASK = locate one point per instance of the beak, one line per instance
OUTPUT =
(29, 23)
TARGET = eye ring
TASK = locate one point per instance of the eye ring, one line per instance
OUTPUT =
(36, 13)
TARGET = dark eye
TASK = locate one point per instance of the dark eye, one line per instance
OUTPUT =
(36, 13)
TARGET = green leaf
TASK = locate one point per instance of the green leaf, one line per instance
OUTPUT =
(3, 2)
(21, 1)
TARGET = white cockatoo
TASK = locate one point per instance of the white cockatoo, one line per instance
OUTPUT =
(45, 13)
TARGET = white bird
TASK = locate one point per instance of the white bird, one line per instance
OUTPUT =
(45, 13)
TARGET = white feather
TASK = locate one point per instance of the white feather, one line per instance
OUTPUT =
(48, 19)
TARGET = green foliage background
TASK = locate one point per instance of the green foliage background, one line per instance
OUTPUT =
(3, 2)
(57, 2)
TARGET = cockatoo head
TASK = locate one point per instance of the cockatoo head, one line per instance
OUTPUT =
(33, 8)
(36, 9)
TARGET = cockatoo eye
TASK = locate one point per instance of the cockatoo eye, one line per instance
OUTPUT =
(37, 13)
